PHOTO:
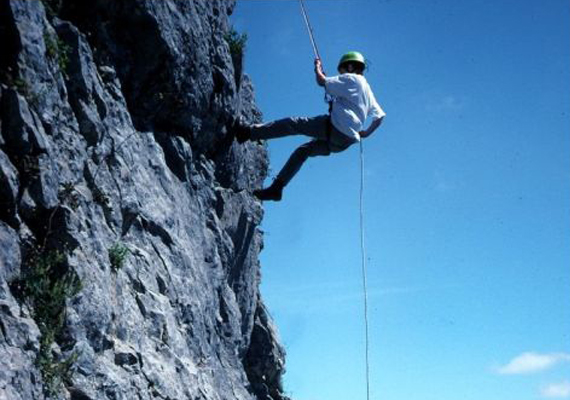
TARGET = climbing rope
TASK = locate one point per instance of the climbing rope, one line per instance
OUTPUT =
(327, 98)
(362, 243)
(309, 29)
(364, 277)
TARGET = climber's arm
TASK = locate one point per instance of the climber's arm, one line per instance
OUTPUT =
(373, 126)
(319, 74)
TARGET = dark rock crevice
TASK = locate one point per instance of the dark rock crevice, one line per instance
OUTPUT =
(11, 45)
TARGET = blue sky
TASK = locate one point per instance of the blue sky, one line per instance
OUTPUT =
(467, 200)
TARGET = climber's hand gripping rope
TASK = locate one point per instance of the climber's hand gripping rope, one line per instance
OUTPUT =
(319, 73)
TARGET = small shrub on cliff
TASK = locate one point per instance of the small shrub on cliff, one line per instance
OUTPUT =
(117, 255)
(46, 284)
(21, 86)
(237, 42)
(15, 81)
(56, 49)
(54, 373)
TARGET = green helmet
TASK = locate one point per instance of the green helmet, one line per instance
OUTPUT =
(352, 56)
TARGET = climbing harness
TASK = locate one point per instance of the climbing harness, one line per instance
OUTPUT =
(361, 203)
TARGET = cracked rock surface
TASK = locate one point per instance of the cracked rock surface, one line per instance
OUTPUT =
(115, 156)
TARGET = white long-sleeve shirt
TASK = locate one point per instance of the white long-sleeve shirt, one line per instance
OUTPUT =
(353, 103)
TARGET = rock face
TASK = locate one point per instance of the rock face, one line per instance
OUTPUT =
(129, 240)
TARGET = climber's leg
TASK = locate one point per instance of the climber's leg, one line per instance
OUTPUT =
(315, 127)
(324, 144)
(291, 167)
(299, 156)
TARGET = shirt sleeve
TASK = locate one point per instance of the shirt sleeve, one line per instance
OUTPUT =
(375, 111)
(337, 86)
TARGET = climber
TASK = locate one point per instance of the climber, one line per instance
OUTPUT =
(352, 103)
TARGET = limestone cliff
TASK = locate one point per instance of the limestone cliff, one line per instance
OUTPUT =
(129, 240)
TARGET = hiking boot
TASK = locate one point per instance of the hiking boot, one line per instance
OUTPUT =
(273, 192)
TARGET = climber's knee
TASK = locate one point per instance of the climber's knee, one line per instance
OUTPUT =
(303, 152)
(317, 148)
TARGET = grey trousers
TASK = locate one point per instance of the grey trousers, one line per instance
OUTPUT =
(315, 127)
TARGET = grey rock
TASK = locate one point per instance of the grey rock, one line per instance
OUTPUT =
(36, 68)
(19, 331)
(10, 257)
(23, 131)
(17, 374)
(27, 207)
(265, 360)
(45, 189)
(125, 146)
(84, 85)
(19, 339)
(9, 186)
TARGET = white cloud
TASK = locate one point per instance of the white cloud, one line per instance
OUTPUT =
(530, 362)
(558, 390)
(445, 103)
